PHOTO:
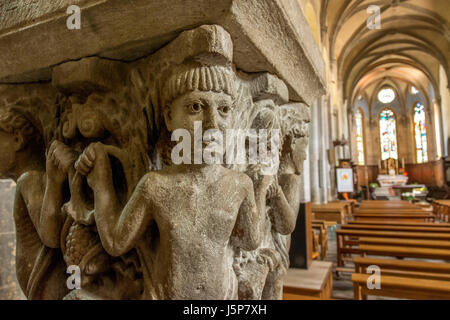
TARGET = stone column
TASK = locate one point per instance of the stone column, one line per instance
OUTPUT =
(324, 146)
(314, 152)
(97, 121)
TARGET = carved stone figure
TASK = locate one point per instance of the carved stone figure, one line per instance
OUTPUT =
(112, 118)
(184, 220)
(40, 268)
(97, 187)
(284, 194)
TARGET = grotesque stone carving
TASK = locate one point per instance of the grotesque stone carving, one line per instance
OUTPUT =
(40, 268)
(108, 197)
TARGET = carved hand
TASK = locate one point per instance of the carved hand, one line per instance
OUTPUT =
(94, 164)
(60, 159)
(274, 190)
(268, 257)
(263, 182)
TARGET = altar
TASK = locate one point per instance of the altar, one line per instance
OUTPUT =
(386, 180)
(389, 178)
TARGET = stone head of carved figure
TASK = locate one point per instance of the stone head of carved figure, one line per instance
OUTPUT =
(18, 141)
(294, 129)
(199, 93)
(267, 119)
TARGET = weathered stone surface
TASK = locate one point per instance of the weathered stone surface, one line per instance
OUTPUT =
(100, 185)
(126, 31)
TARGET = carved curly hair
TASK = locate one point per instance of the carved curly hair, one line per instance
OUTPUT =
(292, 115)
(203, 78)
(13, 121)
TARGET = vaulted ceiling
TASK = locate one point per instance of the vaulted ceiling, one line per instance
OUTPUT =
(414, 39)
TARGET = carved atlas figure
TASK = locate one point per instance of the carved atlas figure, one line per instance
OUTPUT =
(184, 220)
(96, 187)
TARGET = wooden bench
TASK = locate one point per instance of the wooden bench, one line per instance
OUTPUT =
(321, 227)
(393, 211)
(386, 204)
(315, 245)
(401, 287)
(394, 217)
(391, 207)
(441, 209)
(347, 240)
(385, 227)
(404, 251)
(314, 283)
(350, 207)
(401, 223)
(332, 211)
(405, 268)
(439, 244)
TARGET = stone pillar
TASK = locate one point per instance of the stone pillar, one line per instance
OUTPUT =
(97, 121)
(314, 152)
(324, 145)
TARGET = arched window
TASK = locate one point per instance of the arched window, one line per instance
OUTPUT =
(359, 124)
(420, 133)
(388, 135)
(386, 95)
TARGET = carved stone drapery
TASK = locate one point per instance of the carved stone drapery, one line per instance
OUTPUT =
(97, 189)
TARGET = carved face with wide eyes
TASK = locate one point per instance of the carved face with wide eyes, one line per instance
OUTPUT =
(213, 109)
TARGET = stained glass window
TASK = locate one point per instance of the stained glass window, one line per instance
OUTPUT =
(388, 135)
(414, 90)
(420, 132)
(386, 95)
(359, 137)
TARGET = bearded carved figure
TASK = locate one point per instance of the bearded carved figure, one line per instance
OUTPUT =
(136, 213)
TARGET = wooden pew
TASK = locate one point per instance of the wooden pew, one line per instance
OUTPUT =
(405, 268)
(332, 211)
(350, 208)
(393, 211)
(402, 287)
(441, 209)
(347, 240)
(391, 207)
(315, 245)
(401, 223)
(401, 228)
(438, 244)
(404, 251)
(321, 227)
(393, 217)
(386, 204)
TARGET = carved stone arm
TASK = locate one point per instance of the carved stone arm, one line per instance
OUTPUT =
(286, 204)
(51, 217)
(247, 232)
(30, 189)
(282, 214)
(119, 227)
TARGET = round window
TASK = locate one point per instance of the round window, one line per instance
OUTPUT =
(386, 95)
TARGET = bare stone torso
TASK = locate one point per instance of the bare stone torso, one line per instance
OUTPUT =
(195, 216)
